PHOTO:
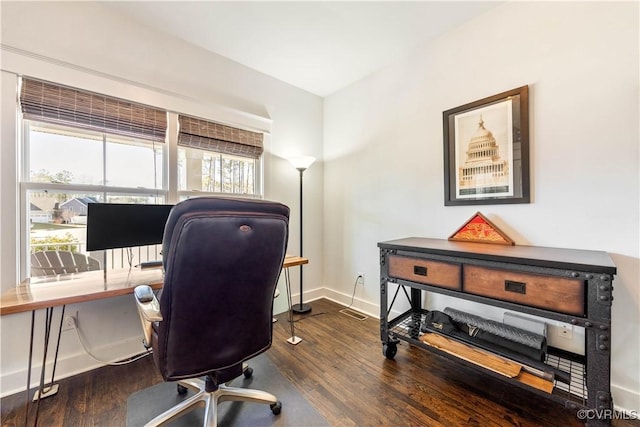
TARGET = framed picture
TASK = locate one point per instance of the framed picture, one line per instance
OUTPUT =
(486, 150)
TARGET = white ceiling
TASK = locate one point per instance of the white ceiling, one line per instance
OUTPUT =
(320, 47)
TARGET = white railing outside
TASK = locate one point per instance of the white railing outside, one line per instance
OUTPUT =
(115, 258)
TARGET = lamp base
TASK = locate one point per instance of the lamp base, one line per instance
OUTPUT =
(301, 308)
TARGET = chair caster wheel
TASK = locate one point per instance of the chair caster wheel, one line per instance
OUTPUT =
(248, 373)
(276, 407)
(181, 389)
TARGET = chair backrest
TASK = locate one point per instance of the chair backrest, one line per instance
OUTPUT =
(46, 263)
(222, 259)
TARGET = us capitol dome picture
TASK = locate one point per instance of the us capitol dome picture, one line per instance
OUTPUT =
(484, 170)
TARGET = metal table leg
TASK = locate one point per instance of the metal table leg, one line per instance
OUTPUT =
(294, 339)
(51, 388)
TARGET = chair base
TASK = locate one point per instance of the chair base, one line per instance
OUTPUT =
(210, 401)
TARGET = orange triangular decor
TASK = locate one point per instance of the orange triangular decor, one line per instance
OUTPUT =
(480, 229)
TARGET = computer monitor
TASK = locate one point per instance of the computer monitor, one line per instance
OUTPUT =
(121, 225)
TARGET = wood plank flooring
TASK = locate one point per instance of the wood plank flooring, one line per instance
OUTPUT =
(340, 369)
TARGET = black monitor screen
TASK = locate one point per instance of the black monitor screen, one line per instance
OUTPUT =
(119, 225)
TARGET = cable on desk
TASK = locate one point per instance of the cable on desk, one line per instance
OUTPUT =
(86, 349)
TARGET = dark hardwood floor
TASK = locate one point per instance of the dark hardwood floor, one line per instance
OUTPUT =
(340, 369)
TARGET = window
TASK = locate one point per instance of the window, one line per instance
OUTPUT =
(217, 158)
(80, 147)
(66, 155)
(67, 168)
(207, 171)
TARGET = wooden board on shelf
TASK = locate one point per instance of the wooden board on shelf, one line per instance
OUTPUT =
(482, 358)
(535, 381)
(487, 360)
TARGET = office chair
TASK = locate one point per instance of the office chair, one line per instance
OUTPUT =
(222, 259)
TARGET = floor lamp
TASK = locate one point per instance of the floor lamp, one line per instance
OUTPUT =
(301, 163)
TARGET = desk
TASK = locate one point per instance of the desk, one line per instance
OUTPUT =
(54, 291)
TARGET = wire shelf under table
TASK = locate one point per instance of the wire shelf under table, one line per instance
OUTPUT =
(407, 327)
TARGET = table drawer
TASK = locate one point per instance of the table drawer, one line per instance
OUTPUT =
(559, 294)
(436, 273)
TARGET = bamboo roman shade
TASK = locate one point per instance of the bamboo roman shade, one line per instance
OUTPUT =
(52, 103)
(206, 135)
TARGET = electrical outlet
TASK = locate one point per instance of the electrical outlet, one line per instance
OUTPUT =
(69, 323)
(360, 278)
(565, 331)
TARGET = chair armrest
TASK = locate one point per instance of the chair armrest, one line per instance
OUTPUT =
(148, 309)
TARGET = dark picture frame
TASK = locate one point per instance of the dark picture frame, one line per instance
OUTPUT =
(486, 150)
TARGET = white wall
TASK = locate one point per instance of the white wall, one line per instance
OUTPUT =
(384, 157)
(89, 46)
(382, 172)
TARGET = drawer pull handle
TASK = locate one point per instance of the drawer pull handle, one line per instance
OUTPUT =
(517, 287)
(419, 271)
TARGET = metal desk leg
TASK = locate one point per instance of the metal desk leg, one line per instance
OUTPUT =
(51, 388)
(294, 339)
(26, 406)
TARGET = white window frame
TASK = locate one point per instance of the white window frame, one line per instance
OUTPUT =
(168, 191)
(258, 180)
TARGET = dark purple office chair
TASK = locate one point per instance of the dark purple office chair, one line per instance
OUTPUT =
(222, 259)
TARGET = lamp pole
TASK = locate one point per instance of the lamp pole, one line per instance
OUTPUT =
(301, 308)
(301, 164)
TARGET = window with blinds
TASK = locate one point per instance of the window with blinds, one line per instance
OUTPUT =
(82, 147)
(52, 103)
(215, 158)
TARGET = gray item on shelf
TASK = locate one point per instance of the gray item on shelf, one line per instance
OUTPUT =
(524, 322)
(500, 329)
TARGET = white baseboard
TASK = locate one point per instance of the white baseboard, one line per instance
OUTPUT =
(626, 400)
(366, 307)
(370, 309)
(70, 365)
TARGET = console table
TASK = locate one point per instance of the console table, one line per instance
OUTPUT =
(571, 286)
